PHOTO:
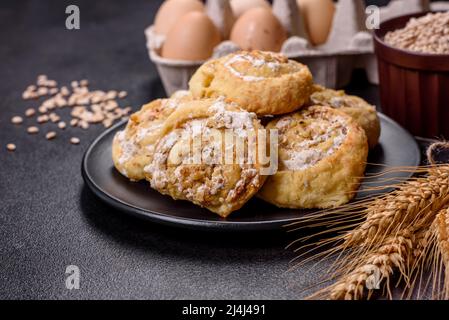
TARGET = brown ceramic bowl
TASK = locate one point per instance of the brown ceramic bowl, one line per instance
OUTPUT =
(414, 87)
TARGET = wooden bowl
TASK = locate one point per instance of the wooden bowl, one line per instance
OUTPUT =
(414, 87)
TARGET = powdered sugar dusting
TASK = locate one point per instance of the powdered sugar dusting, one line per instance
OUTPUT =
(199, 182)
(170, 103)
(231, 119)
(142, 133)
(307, 153)
(255, 62)
(127, 147)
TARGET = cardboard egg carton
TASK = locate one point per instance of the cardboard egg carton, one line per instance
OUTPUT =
(349, 45)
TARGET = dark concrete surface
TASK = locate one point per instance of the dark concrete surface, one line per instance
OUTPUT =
(49, 219)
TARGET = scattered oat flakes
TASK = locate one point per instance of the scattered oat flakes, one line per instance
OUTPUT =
(78, 111)
(64, 91)
(49, 103)
(74, 122)
(107, 123)
(83, 100)
(111, 95)
(33, 130)
(72, 100)
(30, 112)
(42, 91)
(96, 108)
(11, 147)
(51, 135)
(43, 119)
(54, 117)
(17, 120)
(42, 77)
(60, 101)
(62, 125)
(87, 107)
(51, 84)
(75, 140)
(83, 124)
(110, 105)
(42, 109)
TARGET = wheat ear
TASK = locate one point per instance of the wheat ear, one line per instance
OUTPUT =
(402, 207)
(414, 203)
(441, 264)
(378, 266)
(398, 233)
(422, 253)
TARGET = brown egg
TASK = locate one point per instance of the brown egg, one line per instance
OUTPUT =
(239, 7)
(259, 29)
(192, 38)
(318, 16)
(171, 11)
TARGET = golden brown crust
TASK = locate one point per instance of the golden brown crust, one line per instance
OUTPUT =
(132, 148)
(182, 96)
(208, 181)
(360, 110)
(323, 155)
(261, 82)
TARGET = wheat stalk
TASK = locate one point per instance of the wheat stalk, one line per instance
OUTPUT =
(402, 207)
(375, 268)
(424, 246)
(410, 252)
(441, 263)
(414, 203)
(403, 233)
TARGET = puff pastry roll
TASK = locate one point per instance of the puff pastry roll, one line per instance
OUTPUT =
(360, 110)
(322, 159)
(196, 156)
(265, 83)
(132, 148)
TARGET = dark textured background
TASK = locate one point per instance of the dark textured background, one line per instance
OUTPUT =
(48, 219)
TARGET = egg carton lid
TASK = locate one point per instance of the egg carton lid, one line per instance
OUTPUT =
(348, 36)
(290, 49)
(358, 42)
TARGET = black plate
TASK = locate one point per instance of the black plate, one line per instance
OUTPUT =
(397, 148)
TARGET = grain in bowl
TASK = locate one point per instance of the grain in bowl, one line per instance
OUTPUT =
(412, 82)
(427, 34)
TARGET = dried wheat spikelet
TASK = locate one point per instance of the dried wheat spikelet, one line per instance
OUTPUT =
(402, 234)
(365, 224)
(432, 254)
(406, 253)
(424, 244)
(402, 207)
(412, 196)
(441, 263)
(378, 266)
